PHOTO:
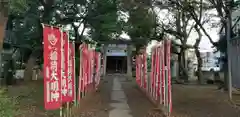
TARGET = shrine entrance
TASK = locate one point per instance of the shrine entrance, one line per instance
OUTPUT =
(116, 64)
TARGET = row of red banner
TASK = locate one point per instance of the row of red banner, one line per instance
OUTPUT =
(158, 85)
(59, 68)
(90, 63)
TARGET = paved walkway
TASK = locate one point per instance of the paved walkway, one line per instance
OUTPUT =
(118, 104)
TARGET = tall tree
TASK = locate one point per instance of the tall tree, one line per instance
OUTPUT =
(4, 7)
(180, 27)
(142, 25)
(223, 8)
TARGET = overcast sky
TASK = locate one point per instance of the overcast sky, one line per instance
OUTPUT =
(164, 16)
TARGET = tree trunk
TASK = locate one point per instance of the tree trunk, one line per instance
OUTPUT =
(199, 66)
(3, 21)
(29, 68)
(36, 53)
(179, 68)
(197, 52)
(182, 66)
(225, 68)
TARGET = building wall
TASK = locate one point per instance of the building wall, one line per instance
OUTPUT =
(116, 50)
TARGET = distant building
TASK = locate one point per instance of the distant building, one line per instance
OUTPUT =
(210, 61)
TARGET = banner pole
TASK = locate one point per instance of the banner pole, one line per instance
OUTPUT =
(74, 67)
(66, 108)
(67, 111)
(61, 113)
(84, 70)
(80, 74)
(74, 75)
(160, 77)
(61, 108)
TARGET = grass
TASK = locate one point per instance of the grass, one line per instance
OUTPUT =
(30, 100)
(8, 106)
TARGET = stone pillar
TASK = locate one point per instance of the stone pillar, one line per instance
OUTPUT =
(104, 59)
(129, 61)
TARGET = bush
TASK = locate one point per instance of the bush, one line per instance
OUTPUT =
(7, 105)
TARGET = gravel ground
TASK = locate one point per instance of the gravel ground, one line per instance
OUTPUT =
(138, 102)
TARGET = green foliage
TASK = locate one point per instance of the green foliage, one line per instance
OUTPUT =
(100, 16)
(141, 26)
(18, 7)
(102, 19)
(7, 105)
(24, 23)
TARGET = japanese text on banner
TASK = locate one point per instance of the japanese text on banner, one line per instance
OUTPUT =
(71, 72)
(65, 61)
(52, 68)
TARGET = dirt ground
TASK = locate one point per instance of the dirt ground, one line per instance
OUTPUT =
(202, 101)
(29, 97)
(188, 101)
(96, 104)
(138, 102)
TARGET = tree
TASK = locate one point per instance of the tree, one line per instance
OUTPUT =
(180, 27)
(95, 15)
(223, 10)
(103, 20)
(198, 40)
(3, 18)
(142, 25)
(3, 21)
(25, 24)
(198, 55)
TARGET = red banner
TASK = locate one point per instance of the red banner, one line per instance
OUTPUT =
(85, 65)
(71, 73)
(163, 74)
(145, 69)
(168, 63)
(137, 73)
(153, 69)
(97, 63)
(52, 68)
(81, 73)
(157, 75)
(138, 68)
(89, 66)
(65, 97)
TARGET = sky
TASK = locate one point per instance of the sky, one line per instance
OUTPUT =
(205, 44)
(164, 16)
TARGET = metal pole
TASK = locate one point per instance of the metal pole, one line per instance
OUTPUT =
(228, 35)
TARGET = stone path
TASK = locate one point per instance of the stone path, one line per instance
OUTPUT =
(118, 104)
